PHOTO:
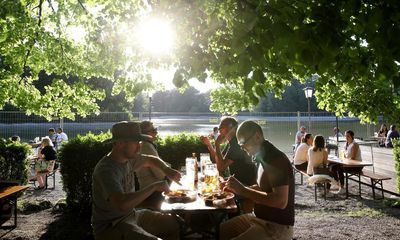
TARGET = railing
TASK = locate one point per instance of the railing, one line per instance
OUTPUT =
(279, 127)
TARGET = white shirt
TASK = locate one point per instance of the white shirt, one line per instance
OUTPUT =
(349, 149)
(301, 154)
(315, 159)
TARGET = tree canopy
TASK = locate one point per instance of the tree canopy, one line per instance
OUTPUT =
(250, 47)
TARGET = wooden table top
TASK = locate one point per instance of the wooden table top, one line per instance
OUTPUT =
(348, 162)
(8, 191)
(197, 206)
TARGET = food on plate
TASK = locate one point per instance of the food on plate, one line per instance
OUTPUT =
(180, 196)
(177, 193)
(210, 199)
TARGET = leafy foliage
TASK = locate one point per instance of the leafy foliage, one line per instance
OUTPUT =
(250, 47)
(78, 158)
(254, 47)
(396, 153)
(174, 149)
(14, 164)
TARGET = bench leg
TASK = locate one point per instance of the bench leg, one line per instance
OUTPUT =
(373, 188)
(325, 191)
(301, 178)
(347, 185)
(315, 192)
(359, 184)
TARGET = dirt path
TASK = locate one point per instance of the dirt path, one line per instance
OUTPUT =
(335, 218)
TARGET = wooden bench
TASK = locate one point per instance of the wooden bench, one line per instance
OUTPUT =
(376, 180)
(320, 183)
(11, 192)
(50, 173)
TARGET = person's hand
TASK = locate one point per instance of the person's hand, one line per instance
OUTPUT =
(173, 174)
(234, 186)
(205, 140)
(161, 186)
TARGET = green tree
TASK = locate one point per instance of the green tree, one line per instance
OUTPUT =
(251, 47)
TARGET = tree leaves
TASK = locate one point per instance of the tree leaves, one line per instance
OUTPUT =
(250, 47)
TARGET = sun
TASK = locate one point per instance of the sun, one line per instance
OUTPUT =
(155, 36)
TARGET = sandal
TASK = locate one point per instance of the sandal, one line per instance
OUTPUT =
(39, 188)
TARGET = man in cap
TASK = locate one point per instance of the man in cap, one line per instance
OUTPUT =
(114, 197)
(273, 194)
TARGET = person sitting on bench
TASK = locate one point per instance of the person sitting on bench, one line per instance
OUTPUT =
(300, 157)
(46, 155)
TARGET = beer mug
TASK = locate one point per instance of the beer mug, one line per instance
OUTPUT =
(204, 160)
(211, 177)
(190, 171)
(342, 155)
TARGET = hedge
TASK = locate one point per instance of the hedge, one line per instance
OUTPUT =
(80, 155)
(14, 164)
(396, 153)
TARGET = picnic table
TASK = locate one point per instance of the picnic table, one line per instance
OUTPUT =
(348, 163)
(198, 206)
(11, 192)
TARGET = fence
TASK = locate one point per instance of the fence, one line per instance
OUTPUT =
(279, 127)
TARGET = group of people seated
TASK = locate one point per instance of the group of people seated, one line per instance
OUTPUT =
(386, 136)
(266, 194)
(47, 155)
(311, 155)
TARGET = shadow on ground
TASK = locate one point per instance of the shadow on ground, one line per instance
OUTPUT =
(68, 225)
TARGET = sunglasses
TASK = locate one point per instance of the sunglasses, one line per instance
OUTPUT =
(243, 142)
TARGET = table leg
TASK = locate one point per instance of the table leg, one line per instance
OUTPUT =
(15, 210)
(347, 185)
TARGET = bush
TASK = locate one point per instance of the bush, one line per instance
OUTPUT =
(14, 164)
(396, 153)
(80, 155)
(175, 149)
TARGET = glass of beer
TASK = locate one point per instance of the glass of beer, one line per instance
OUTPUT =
(211, 177)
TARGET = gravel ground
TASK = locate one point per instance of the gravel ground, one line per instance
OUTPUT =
(335, 218)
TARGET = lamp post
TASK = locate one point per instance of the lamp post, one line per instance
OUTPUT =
(150, 94)
(308, 91)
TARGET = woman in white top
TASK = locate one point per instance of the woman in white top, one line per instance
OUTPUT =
(317, 155)
(300, 157)
(352, 148)
(352, 152)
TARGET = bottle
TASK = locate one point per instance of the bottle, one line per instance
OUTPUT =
(196, 169)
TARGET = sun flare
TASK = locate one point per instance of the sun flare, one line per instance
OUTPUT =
(155, 36)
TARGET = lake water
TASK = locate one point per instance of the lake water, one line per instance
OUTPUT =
(279, 128)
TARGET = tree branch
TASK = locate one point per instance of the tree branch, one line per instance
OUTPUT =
(28, 53)
(80, 3)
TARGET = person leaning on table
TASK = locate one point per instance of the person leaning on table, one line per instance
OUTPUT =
(146, 176)
(232, 157)
(114, 197)
(273, 216)
(300, 157)
(352, 152)
(392, 134)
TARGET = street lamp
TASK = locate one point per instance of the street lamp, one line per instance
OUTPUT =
(308, 91)
(150, 95)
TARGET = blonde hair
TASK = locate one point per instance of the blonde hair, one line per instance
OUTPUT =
(47, 142)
